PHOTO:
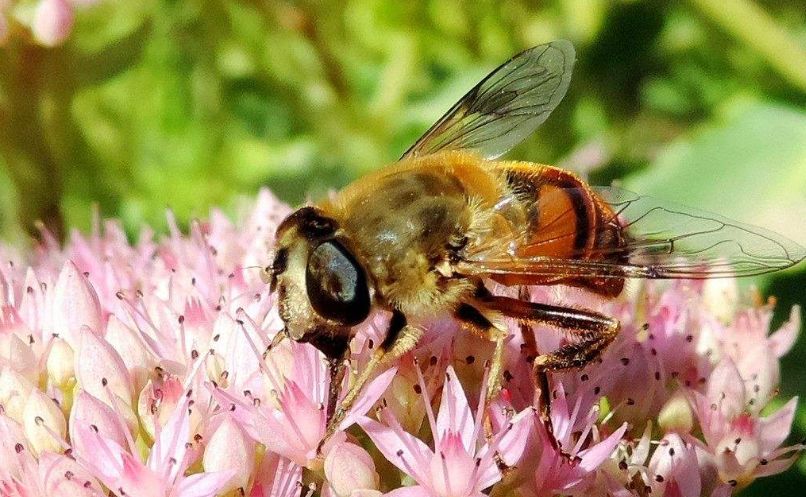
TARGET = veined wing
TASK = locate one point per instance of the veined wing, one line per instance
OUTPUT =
(659, 240)
(506, 106)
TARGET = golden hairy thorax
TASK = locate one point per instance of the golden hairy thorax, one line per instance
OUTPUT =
(409, 222)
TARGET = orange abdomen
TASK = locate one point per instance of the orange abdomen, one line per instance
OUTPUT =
(566, 220)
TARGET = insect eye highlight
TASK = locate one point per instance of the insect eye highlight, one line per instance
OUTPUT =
(336, 284)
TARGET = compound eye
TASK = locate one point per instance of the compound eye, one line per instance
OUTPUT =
(336, 284)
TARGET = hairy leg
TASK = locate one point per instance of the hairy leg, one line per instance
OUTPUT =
(476, 322)
(592, 332)
(400, 338)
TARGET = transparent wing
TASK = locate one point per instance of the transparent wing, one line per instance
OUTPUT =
(660, 240)
(506, 106)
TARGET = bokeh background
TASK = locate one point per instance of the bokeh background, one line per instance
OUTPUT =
(139, 106)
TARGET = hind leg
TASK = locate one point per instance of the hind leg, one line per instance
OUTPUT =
(592, 333)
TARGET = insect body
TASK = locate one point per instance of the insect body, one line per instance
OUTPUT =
(419, 238)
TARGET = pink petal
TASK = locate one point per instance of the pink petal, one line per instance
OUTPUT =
(100, 370)
(276, 477)
(12, 438)
(62, 476)
(107, 463)
(88, 410)
(776, 427)
(203, 484)
(415, 491)
(167, 456)
(776, 466)
(454, 412)
(230, 449)
(452, 468)
(400, 448)
(75, 303)
(726, 389)
(368, 397)
(349, 467)
(784, 337)
(593, 457)
(53, 20)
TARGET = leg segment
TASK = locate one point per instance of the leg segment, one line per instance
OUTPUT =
(593, 331)
(400, 338)
(477, 323)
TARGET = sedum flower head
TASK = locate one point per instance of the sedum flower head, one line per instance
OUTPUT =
(142, 369)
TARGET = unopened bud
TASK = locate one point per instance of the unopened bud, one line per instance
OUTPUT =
(14, 392)
(60, 363)
(230, 449)
(43, 423)
(52, 22)
(676, 415)
(348, 468)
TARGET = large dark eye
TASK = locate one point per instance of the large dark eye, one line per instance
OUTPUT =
(337, 287)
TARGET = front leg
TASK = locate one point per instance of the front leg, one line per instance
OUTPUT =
(400, 338)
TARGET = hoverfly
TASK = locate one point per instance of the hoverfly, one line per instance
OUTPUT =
(420, 237)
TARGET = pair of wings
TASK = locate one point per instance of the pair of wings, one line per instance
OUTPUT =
(664, 240)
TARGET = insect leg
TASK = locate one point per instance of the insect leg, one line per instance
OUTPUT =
(473, 319)
(400, 338)
(593, 333)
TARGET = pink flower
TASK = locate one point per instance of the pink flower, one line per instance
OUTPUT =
(163, 474)
(159, 384)
(349, 469)
(571, 467)
(290, 417)
(742, 446)
(460, 464)
(276, 476)
(53, 20)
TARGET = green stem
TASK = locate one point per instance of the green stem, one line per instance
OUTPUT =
(749, 23)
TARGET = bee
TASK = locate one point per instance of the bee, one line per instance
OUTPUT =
(420, 238)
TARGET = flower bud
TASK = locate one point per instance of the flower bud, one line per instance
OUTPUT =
(52, 22)
(135, 357)
(18, 355)
(14, 392)
(60, 363)
(99, 368)
(231, 449)
(43, 422)
(721, 297)
(349, 467)
(75, 304)
(89, 410)
(676, 415)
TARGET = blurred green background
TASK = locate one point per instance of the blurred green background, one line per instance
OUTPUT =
(189, 104)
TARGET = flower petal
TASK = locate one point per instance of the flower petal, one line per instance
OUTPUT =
(203, 484)
(368, 397)
(593, 457)
(75, 304)
(454, 411)
(776, 427)
(400, 448)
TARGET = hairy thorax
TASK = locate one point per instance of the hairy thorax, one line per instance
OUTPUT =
(408, 226)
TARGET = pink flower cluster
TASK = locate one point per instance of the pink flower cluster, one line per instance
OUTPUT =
(48, 21)
(143, 370)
